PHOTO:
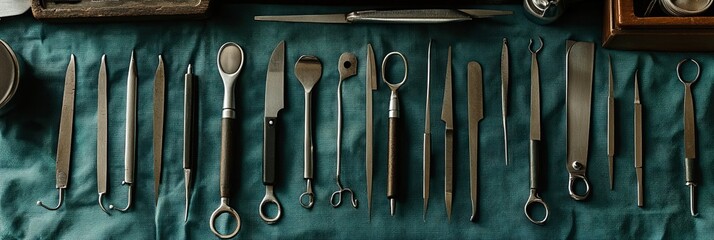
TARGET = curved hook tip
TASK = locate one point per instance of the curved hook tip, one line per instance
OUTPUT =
(129, 198)
(59, 204)
(101, 204)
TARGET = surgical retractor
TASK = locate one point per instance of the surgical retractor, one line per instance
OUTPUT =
(308, 70)
(347, 67)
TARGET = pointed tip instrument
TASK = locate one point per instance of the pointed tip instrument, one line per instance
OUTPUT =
(504, 94)
(371, 85)
(64, 139)
(611, 125)
(159, 98)
(638, 143)
(426, 148)
(447, 115)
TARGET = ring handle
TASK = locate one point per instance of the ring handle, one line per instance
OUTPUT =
(679, 74)
(270, 199)
(406, 70)
(224, 208)
(535, 199)
(310, 199)
(571, 184)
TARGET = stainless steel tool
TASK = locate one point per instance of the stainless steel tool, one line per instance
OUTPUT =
(159, 96)
(544, 11)
(230, 61)
(535, 137)
(579, 81)
(638, 145)
(391, 16)
(475, 113)
(392, 154)
(426, 148)
(504, 94)
(347, 67)
(64, 138)
(189, 128)
(370, 86)
(611, 126)
(102, 132)
(130, 139)
(274, 102)
(690, 136)
(447, 115)
(308, 70)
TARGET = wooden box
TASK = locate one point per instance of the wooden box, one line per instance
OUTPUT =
(624, 30)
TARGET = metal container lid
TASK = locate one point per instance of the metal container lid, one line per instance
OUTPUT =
(9, 73)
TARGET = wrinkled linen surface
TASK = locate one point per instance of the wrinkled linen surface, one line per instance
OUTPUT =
(28, 133)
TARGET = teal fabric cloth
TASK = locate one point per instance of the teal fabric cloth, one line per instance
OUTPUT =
(28, 132)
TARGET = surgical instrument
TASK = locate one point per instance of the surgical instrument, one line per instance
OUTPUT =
(102, 132)
(130, 136)
(347, 67)
(475, 115)
(230, 61)
(447, 115)
(611, 125)
(391, 16)
(64, 138)
(274, 102)
(371, 85)
(504, 94)
(308, 70)
(426, 150)
(690, 138)
(579, 81)
(638, 145)
(189, 128)
(159, 95)
(392, 136)
(535, 137)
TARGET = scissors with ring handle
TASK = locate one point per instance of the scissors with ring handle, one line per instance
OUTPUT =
(230, 62)
(690, 144)
(535, 138)
(393, 124)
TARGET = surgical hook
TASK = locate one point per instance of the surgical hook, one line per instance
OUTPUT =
(101, 203)
(61, 199)
(128, 205)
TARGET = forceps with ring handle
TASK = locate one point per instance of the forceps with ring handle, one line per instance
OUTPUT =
(535, 137)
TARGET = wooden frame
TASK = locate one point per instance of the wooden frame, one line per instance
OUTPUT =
(624, 30)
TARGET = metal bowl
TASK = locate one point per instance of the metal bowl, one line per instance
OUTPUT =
(9, 75)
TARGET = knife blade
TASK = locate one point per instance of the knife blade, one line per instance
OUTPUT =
(274, 102)
(159, 95)
(390, 16)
